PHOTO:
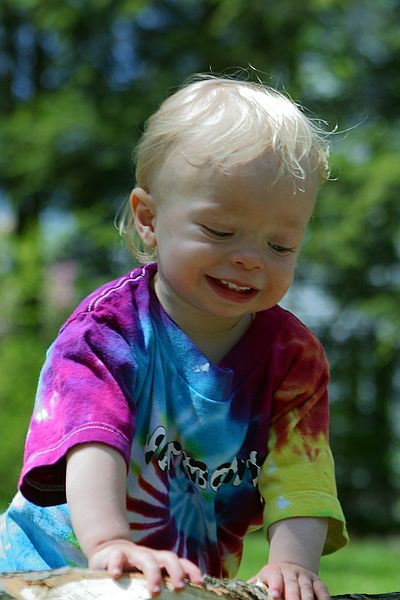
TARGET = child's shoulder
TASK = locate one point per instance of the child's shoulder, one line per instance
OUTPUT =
(286, 329)
(118, 299)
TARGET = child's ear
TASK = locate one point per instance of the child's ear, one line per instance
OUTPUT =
(144, 215)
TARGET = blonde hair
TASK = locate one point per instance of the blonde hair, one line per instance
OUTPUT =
(222, 123)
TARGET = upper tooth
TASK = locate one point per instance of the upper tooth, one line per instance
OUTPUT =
(233, 286)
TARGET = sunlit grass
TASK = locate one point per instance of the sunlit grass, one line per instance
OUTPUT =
(368, 566)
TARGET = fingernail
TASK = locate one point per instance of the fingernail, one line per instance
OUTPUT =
(180, 585)
(156, 589)
(116, 572)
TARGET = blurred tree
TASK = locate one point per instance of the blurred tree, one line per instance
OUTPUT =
(78, 79)
(354, 257)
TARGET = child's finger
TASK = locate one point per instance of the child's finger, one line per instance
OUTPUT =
(292, 590)
(306, 589)
(320, 590)
(192, 571)
(271, 575)
(148, 565)
(173, 567)
(116, 563)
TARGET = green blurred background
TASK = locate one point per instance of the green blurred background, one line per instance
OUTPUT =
(78, 78)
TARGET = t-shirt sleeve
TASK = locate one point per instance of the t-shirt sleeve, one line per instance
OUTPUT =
(84, 395)
(297, 478)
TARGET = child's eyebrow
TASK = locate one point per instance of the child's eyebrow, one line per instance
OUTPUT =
(211, 211)
(291, 222)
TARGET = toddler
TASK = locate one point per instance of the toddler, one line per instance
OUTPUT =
(180, 406)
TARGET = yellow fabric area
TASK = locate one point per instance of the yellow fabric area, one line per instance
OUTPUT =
(297, 480)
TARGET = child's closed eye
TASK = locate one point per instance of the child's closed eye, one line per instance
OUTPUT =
(281, 250)
(215, 233)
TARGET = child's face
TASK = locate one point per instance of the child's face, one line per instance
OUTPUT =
(227, 245)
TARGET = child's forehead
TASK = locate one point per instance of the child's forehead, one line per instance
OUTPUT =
(214, 191)
(181, 176)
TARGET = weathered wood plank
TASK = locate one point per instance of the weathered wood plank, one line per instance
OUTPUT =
(82, 584)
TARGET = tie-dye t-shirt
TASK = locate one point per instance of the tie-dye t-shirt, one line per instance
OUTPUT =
(212, 451)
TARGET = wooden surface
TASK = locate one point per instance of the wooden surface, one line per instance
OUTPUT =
(82, 584)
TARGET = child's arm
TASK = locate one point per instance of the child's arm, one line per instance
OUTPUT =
(295, 550)
(96, 496)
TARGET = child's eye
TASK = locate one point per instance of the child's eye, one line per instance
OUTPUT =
(215, 233)
(281, 250)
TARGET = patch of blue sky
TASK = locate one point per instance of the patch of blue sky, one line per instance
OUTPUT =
(57, 225)
(22, 85)
(311, 303)
(127, 66)
(7, 215)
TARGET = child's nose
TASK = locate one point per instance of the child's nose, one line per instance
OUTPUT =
(247, 259)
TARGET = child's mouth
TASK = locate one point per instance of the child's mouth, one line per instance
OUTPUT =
(233, 286)
(231, 290)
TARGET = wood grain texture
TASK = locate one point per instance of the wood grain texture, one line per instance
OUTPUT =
(82, 584)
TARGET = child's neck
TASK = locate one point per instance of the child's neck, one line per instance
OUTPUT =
(212, 335)
(215, 344)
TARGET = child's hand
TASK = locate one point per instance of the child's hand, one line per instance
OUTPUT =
(98, 513)
(122, 555)
(291, 582)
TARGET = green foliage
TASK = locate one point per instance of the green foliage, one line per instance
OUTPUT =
(21, 355)
(356, 233)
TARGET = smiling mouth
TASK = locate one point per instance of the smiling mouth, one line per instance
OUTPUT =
(232, 291)
(233, 286)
